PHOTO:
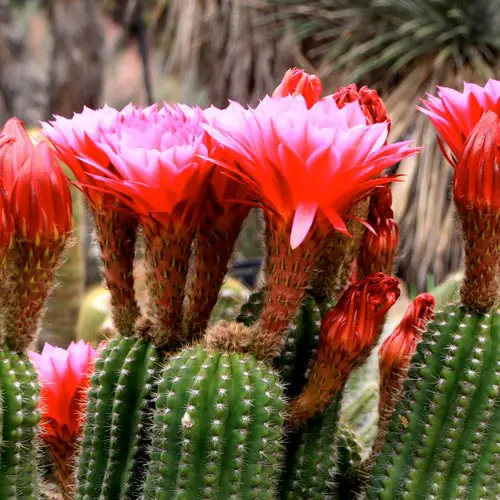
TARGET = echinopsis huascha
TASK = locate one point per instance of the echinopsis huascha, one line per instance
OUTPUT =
(303, 396)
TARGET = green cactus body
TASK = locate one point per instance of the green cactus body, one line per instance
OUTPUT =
(360, 401)
(217, 429)
(19, 418)
(301, 340)
(113, 442)
(311, 458)
(443, 439)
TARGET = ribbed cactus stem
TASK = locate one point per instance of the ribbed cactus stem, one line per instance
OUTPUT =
(481, 285)
(113, 443)
(443, 439)
(116, 233)
(218, 429)
(167, 262)
(29, 277)
(213, 247)
(18, 451)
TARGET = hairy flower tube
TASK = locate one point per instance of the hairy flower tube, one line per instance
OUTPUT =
(64, 376)
(348, 333)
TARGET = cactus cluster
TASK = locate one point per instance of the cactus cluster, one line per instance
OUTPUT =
(299, 397)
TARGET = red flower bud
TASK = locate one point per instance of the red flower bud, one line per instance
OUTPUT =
(378, 250)
(41, 198)
(14, 156)
(397, 350)
(395, 355)
(298, 82)
(348, 333)
(372, 105)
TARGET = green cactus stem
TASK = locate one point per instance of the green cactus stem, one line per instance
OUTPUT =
(19, 418)
(301, 340)
(217, 429)
(124, 379)
(311, 458)
(442, 441)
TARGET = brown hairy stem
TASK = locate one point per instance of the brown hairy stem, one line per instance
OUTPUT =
(213, 247)
(166, 264)
(117, 233)
(29, 275)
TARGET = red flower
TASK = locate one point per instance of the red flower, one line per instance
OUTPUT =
(38, 191)
(41, 198)
(397, 350)
(378, 249)
(454, 114)
(476, 182)
(372, 105)
(64, 376)
(16, 155)
(298, 82)
(159, 165)
(348, 333)
(303, 161)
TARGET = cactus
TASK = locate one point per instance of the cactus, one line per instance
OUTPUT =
(113, 446)
(217, 428)
(442, 438)
(285, 402)
(18, 417)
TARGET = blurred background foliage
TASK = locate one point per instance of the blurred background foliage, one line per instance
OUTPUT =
(58, 55)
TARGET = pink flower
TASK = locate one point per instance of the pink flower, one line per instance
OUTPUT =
(64, 376)
(454, 114)
(159, 165)
(303, 161)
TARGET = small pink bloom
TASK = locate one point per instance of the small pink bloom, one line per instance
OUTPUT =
(64, 376)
